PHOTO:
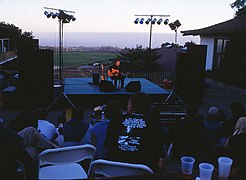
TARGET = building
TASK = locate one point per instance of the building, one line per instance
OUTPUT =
(226, 44)
(217, 36)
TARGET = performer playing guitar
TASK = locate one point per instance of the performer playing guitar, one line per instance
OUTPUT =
(115, 74)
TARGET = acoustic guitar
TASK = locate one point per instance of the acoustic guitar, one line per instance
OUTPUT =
(113, 72)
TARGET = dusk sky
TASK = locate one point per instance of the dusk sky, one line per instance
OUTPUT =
(113, 15)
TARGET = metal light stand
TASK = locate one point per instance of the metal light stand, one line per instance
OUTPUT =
(152, 22)
(173, 94)
(62, 95)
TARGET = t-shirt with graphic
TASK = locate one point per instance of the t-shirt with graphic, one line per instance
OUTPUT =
(135, 140)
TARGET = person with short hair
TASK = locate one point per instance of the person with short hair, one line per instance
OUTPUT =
(115, 74)
(137, 138)
(189, 134)
(77, 131)
(113, 113)
(46, 128)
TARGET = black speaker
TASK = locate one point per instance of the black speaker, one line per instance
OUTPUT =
(106, 86)
(35, 87)
(133, 86)
(190, 73)
(95, 78)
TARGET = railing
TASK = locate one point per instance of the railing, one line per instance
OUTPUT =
(8, 55)
(155, 77)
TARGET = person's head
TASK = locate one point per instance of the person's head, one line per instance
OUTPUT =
(117, 62)
(41, 113)
(191, 110)
(240, 126)
(61, 120)
(213, 114)
(237, 109)
(23, 119)
(78, 113)
(112, 110)
(139, 103)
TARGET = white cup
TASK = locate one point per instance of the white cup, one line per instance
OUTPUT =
(224, 167)
(205, 171)
(187, 164)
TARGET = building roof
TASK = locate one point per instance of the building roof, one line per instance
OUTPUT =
(232, 27)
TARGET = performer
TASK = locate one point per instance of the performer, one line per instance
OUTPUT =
(115, 74)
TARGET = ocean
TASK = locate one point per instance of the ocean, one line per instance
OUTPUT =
(114, 39)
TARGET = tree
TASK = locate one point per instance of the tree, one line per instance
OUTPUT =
(239, 6)
(140, 59)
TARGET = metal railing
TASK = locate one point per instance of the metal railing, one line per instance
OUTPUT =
(155, 77)
(8, 55)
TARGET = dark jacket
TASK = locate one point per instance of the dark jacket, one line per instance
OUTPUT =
(74, 130)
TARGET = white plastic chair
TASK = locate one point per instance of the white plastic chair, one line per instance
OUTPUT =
(62, 163)
(107, 168)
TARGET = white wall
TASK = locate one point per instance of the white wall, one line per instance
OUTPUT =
(210, 50)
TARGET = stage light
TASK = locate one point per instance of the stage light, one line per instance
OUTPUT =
(177, 23)
(172, 26)
(166, 21)
(47, 14)
(53, 15)
(153, 21)
(159, 21)
(73, 18)
(148, 21)
(64, 17)
(141, 21)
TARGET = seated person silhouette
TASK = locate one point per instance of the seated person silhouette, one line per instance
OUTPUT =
(115, 74)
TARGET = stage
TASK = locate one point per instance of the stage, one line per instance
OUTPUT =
(81, 91)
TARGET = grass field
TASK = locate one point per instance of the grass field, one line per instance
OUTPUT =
(78, 58)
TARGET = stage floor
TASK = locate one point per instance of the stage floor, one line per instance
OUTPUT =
(82, 90)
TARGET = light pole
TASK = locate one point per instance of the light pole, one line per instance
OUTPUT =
(63, 17)
(151, 20)
(174, 26)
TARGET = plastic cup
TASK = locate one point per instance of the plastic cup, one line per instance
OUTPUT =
(224, 167)
(187, 164)
(205, 171)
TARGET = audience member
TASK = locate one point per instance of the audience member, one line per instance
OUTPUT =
(237, 148)
(23, 119)
(77, 130)
(46, 128)
(12, 149)
(34, 142)
(112, 113)
(227, 128)
(189, 134)
(212, 125)
(136, 138)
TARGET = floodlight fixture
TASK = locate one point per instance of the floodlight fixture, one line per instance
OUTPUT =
(73, 18)
(47, 14)
(141, 21)
(151, 20)
(154, 20)
(172, 26)
(61, 14)
(166, 21)
(148, 21)
(177, 23)
(159, 21)
(53, 15)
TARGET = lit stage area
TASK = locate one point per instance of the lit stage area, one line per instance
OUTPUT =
(82, 91)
